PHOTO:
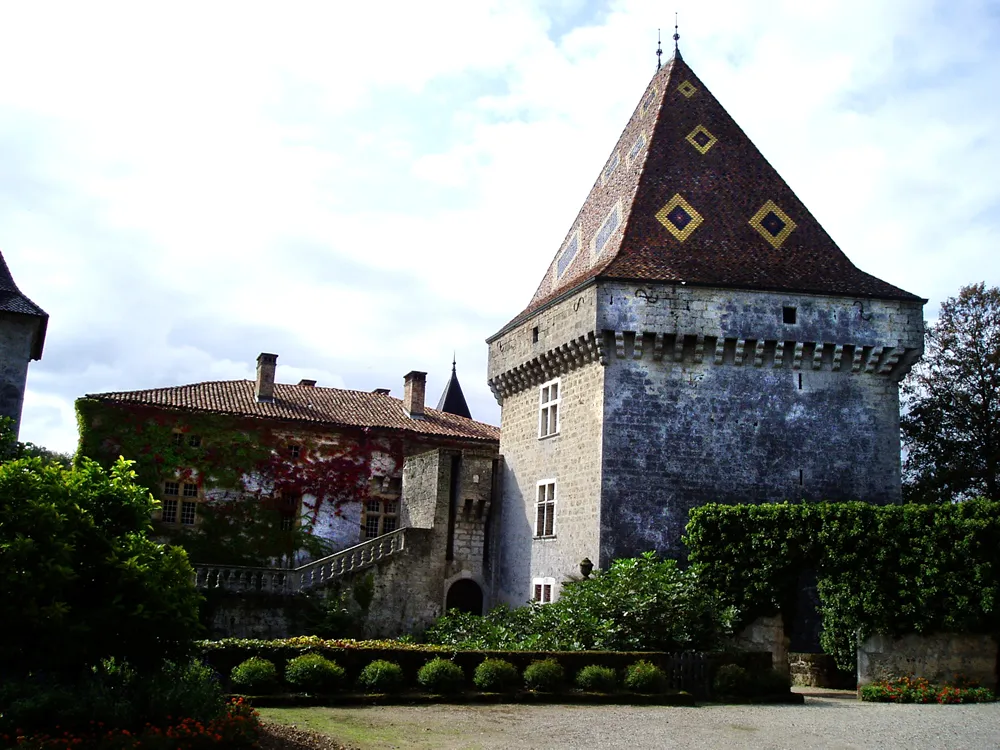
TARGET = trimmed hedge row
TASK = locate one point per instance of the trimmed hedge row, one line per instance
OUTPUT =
(354, 656)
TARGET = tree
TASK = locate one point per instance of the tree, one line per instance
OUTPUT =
(80, 580)
(951, 420)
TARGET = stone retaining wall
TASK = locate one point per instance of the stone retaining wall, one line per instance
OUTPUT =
(938, 658)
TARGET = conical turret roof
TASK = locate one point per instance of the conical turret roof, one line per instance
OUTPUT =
(685, 197)
(13, 301)
(452, 399)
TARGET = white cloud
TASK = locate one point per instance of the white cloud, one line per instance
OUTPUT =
(364, 189)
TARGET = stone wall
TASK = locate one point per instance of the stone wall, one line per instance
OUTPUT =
(16, 335)
(572, 459)
(819, 670)
(938, 658)
(765, 634)
(710, 397)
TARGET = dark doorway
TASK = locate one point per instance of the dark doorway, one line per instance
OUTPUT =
(465, 596)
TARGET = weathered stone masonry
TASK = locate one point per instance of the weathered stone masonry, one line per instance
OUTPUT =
(674, 396)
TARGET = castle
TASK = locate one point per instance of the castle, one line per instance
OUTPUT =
(698, 337)
(22, 338)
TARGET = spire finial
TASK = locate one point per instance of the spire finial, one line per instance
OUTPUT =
(659, 49)
(453, 363)
(676, 35)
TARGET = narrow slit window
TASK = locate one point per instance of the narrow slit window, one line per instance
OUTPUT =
(789, 315)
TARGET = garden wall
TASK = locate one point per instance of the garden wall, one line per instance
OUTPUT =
(939, 658)
(766, 634)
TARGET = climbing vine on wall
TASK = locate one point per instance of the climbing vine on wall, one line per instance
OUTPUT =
(243, 467)
(881, 569)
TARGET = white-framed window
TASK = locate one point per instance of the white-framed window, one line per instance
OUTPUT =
(548, 409)
(543, 590)
(545, 509)
(379, 516)
(180, 503)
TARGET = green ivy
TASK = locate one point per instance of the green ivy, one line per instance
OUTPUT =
(891, 569)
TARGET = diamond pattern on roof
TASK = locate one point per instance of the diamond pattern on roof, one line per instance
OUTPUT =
(701, 139)
(773, 224)
(679, 217)
(687, 88)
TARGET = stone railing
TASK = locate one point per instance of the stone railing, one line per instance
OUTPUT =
(305, 577)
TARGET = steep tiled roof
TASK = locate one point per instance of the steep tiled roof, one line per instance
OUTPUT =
(13, 301)
(452, 399)
(686, 197)
(302, 403)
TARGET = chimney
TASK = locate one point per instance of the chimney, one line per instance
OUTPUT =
(414, 384)
(309, 383)
(265, 376)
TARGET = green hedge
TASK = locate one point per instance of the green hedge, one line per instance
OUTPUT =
(891, 569)
(354, 656)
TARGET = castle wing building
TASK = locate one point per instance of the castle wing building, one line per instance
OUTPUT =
(698, 337)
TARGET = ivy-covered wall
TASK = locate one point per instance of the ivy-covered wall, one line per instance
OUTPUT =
(330, 473)
(887, 570)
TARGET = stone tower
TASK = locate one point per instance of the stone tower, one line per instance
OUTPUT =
(22, 337)
(698, 337)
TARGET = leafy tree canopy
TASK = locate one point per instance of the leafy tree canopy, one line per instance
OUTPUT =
(80, 580)
(951, 421)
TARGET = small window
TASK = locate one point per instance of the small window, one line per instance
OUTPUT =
(169, 511)
(194, 441)
(178, 438)
(534, 335)
(545, 509)
(548, 409)
(190, 490)
(379, 517)
(295, 451)
(287, 523)
(188, 513)
(789, 315)
(543, 590)
(171, 488)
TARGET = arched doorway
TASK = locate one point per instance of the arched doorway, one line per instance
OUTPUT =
(465, 596)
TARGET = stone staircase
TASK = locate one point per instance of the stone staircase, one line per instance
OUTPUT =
(309, 576)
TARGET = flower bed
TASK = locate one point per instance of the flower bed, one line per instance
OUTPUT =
(239, 727)
(919, 690)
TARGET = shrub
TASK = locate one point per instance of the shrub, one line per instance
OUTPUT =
(381, 676)
(731, 679)
(643, 677)
(112, 693)
(546, 676)
(255, 675)
(441, 676)
(80, 577)
(596, 678)
(919, 690)
(314, 673)
(496, 676)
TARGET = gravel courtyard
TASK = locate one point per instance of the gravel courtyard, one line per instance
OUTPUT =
(823, 722)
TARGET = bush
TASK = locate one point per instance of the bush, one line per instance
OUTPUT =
(638, 604)
(596, 678)
(643, 677)
(314, 673)
(255, 676)
(731, 679)
(496, 676)
(546, 676)
(441, 676)
(115, 694)
(80, 580)
(381, 676)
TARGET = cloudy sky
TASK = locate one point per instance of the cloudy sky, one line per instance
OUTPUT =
(363, 188)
